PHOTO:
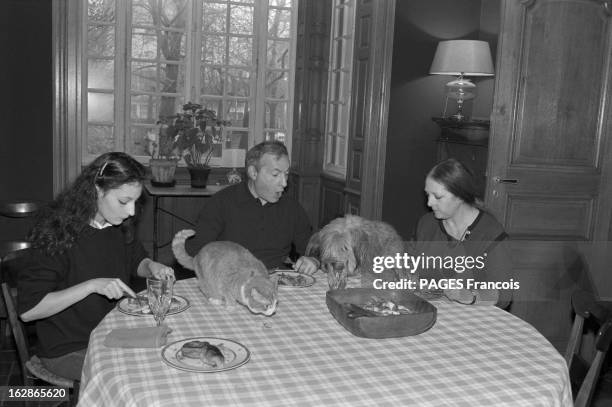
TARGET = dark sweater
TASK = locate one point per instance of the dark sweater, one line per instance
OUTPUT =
(268, 231)
(97, 253)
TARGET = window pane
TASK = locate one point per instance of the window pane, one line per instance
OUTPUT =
(172, 78)
(278, 54)
(280, 3)
(170, 105)
(173, 13)
(213, 49)
(276, 115)
(211, 80)
(101, 10)
(213, 104)
(100, 73)
(241, 51)
(142, 12)
(237, 139)
(276, 84)
(144, 44)
(137, 143)
(241, 19)
(144, 109)
(214, 17)
(172, 45)
(238, 113)
(100, 139)
(100, 107)
(101, 40)
(276, 135)
(238, 82)
(279, 23)
(144, 76)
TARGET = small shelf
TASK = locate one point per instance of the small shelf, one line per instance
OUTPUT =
(474, 132)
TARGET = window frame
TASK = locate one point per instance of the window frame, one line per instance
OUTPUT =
(338, 112)
(122, 78)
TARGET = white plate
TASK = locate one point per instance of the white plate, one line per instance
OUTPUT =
(235, 354)
(293, 279)
(130, 306)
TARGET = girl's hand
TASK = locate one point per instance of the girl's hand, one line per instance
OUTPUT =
(112, 288)
(160, 271)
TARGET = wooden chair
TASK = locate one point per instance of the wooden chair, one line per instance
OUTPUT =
(31, 366)
(16, 210)
(585, 374)
(8, 252)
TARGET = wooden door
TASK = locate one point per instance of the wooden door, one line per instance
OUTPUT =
(549, 169)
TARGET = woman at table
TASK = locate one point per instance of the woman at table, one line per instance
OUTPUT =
(459, 229)
(84, 251)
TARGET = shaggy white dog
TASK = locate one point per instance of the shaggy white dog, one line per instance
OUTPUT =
(352, 242)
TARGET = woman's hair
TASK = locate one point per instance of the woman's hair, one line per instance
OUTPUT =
(274, 147)
(456, 178)
(59, 224)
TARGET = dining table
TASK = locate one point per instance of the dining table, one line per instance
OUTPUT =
(301, 356)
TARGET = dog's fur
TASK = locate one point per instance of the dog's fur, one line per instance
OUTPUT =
(354, 242)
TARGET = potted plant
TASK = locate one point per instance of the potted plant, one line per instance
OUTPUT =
(196, 130)
(164, 158)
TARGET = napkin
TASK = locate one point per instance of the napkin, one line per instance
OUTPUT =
(146, 337)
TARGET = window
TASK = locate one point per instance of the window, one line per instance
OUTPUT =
(339, 87)
(146, 58)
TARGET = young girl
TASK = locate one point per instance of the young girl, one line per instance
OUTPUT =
(84, 252)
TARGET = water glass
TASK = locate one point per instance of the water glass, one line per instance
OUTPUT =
(337, 275)
(159, 294)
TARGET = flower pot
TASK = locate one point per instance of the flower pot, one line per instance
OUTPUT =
(199, 176)
(162, 172)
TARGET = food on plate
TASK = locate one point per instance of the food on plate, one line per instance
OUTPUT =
(141, 304)
(207, 353)
(291, 279)
(138, 304)
(385, 307)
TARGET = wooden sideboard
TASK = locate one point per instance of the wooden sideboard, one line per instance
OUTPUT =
(468, 142)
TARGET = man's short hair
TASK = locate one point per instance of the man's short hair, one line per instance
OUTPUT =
(274, 147)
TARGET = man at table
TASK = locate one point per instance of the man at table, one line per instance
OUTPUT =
(256, 214)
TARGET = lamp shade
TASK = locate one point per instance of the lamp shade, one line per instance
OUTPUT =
(462, 57)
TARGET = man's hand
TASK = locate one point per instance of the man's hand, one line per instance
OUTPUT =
(160, 271)
(307, 265)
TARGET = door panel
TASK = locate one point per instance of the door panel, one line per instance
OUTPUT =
(549, 135)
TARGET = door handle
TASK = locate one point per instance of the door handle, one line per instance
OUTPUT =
(499, 180)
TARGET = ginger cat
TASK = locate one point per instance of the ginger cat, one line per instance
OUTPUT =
(228, 273)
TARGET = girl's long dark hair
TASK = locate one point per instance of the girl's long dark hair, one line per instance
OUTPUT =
(59, 224)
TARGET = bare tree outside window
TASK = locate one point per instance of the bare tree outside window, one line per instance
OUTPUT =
(146, 58)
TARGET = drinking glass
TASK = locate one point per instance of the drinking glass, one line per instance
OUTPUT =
(337, 275)
(159, 294)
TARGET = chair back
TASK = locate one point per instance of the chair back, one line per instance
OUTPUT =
(584, 374)
(21, 340)
(19, 209)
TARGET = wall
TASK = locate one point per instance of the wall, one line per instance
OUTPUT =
(26, 112)
(416, 96)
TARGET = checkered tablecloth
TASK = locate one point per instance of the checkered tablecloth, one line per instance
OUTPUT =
(472, 356)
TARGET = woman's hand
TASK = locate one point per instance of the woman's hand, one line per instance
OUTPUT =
(160, 271)
(112, 288)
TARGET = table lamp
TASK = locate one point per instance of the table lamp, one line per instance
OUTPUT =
(461, 58)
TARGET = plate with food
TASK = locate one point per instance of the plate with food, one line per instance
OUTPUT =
(140, 305)
(290, 278)
(205, 354)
